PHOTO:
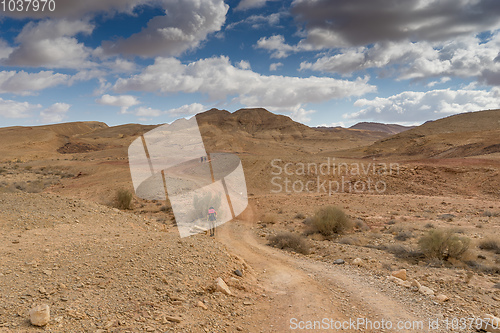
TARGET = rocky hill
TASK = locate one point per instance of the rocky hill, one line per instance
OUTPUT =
(462, 135)
(380, 127)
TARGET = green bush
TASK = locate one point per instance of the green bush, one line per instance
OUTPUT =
(202, 203)
(290, 241)
(443, 244)
(124, 199)
(330, 220)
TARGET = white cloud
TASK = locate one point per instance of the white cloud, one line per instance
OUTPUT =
(220, 80)
(344, 23)
(250, 4)
(412, 106)
(244, 64)
(187, 110)
(51, 44)
(257, 21)
(54, 113)
(274, 66)
(461, 57)
(276, 44)
(184, 26)
(14, 109)
(123, 101)
(440, 81)
(24, 83)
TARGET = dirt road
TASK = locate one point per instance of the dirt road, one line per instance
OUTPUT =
(299, 291)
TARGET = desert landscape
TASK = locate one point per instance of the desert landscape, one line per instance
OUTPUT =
(415, 237)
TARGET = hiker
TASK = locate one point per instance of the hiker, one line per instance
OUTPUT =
(212, 219)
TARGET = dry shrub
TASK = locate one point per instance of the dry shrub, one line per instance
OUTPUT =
(490, 244)
(443, 244)
(290, 241)
(330, 220)
(361, 225)
(124, 199)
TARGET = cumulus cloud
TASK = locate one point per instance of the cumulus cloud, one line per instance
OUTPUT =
(54, 113)
(220, 80)
(343, 23)
(51, 44)
(461, 57)
(187, 110)
(123, 102)
(250, 4)
(276, 44)
(412, 106)
(244, 64)
(24, 83)
(274, 66)
(183, 111)
(257, 21)
(184, 26)
(14, 109)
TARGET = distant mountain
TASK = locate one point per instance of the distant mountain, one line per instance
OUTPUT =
(380, 127)
(461, 135)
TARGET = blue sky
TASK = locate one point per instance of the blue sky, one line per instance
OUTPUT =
(321, 62)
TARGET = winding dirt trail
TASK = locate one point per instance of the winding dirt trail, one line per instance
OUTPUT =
(308, 290)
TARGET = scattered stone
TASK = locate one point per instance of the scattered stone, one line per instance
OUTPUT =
(47, 272)
(442, 298)
(426, 291)
(400, 274)
(400, 282)
(338, 262)
(40, 315)
(176, 302)
(247, 303)
(239, 328)
(358, 262)
(173, 319)
(202, 305)
(415, 283)
(42, 290)
(238, 273)
(221, 286)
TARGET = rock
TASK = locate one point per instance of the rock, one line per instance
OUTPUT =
(173, 319)
(358, 262)
(202, 305)
(401, 274)
(442, 298)
(221, 286)
(490, 324)
(400, 282)
(40, 315)
(415, 283)
(176, 302)
(338, 262)
(426, 291)
(238, 273)
(239, 328)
